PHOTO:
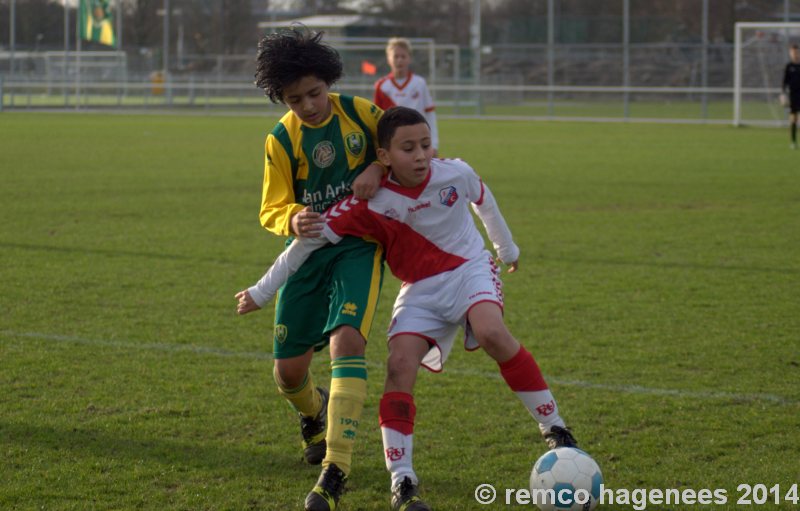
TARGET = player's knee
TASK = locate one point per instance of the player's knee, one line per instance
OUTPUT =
(400, 362)
(401, 376)
(400, 367)
(493, 338)
(288, 375)
(346, 341)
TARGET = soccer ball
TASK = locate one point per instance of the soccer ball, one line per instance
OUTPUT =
(566, 478)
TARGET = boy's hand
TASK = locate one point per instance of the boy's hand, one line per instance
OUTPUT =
(367, 183)
(307, 223)
(246, 303)
(512, 267)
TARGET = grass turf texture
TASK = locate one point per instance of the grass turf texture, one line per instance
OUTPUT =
(610, 106)
(658, 290)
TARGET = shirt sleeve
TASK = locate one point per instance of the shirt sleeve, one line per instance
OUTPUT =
(485, 206)
(278, 203)
(474, 184)
(380, 98)
(370, 114)
(350, 217)
(430, 116)
(286, 265)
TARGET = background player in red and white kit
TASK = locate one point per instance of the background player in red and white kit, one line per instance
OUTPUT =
(422, 218)
(402, 87)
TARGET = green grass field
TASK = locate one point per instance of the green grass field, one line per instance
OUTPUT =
(659, 291)
(610, 106)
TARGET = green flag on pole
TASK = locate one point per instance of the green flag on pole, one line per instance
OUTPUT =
(96, 22)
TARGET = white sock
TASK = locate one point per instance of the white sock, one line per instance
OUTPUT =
(398, 450)
(542, 406)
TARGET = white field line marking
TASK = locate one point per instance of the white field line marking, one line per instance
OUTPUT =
(260, 355)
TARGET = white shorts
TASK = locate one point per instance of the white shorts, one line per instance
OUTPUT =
(434, 308)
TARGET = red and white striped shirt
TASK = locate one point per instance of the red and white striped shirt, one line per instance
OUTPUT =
(425, 230)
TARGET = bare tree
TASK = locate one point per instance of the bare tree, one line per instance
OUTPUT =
(445, 20)
(238, 32)
(39, 24)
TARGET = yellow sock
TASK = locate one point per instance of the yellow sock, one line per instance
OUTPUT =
(348, 392)
(305, 398)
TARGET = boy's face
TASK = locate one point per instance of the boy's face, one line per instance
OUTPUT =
(794, 54)
(308, 99)
(399, 60)
(409, 154)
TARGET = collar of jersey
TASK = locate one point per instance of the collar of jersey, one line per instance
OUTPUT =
(412, 193)
(401, 87)
(320, 125)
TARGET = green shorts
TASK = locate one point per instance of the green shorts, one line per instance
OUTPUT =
(338, 285)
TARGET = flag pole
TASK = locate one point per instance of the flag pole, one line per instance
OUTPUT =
(118, 35)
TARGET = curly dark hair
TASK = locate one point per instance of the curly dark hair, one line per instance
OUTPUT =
(292, 54)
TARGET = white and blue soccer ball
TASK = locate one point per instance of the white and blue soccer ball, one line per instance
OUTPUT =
(566, 479)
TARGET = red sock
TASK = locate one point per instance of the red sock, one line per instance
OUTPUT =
(522, 373)
(397, 411)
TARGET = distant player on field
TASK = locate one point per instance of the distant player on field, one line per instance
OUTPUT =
(421, 216)
(401, 87)
(791, 89)
(319, 151)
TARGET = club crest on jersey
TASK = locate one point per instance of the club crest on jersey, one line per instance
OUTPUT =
(391, 213)
(324, 153)
(355, 143)
(448, 196)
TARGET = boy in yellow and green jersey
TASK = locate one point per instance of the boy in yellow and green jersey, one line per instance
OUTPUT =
(322, 150)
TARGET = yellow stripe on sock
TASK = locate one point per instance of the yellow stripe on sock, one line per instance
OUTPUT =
(305, 398)
(349, 367)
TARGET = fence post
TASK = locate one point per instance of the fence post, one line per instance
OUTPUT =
(475, 46)
(704, 59)
(2, 97)
(551, 56)
(191, 89)
(626, 58)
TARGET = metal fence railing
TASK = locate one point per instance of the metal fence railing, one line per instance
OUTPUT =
(675, 82)
(612, 103)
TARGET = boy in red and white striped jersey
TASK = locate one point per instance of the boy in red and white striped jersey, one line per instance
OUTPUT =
(421, 216)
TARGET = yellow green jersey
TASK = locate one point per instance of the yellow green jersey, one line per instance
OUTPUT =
(315, 165)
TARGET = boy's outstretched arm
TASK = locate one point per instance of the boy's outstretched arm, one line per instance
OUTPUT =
(497, 229)
(286, 265)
